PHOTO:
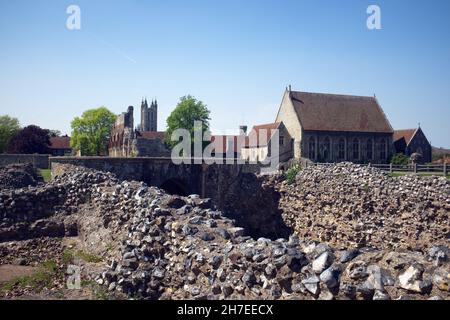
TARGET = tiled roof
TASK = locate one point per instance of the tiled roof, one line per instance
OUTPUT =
(221, 141)
(408, 134)
(60, 142)
(151, 135)
(332, 112)
(260, 135)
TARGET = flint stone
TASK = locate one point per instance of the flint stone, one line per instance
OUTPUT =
(322, 262)
(349, 255)
(312, 284)
(411, 280)
(441, 279)
(330, 277)
(223, 233)
(236, 232)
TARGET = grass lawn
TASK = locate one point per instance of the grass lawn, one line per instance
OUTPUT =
(46, 174)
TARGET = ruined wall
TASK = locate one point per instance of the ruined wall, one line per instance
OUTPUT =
(40, 161)
(232, 188)
(153, 147)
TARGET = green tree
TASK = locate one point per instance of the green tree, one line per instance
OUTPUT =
(8, 128)
(400, 159)
(186, 112)
(91, 131)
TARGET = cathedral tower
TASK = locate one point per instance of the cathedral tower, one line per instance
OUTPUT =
(149, 116)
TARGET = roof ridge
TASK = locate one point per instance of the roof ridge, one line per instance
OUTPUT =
(335, 94)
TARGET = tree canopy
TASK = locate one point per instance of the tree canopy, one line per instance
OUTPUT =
(400, 159)
(8, 128)
(91, 132)
(183, 116)
(31, 139)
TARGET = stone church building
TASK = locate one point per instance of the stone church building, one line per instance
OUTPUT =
(409, 141)
(144, 141)
(336, 128)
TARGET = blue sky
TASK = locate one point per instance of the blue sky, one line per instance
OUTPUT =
(236, 56)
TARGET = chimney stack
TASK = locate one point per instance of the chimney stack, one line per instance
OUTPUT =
(243, 129)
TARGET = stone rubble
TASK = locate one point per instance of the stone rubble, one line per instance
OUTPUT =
(350, 205)
(161, 246)
(15, 176)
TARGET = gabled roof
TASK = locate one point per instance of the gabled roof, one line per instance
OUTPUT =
(152, 135)
(407, 134)
(333, 112)
(260, 135)
(60, 142)
(221, 143)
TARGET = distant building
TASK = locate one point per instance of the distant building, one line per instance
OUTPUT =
(336, 128)
(60, 146)
(260, 141)
(409, 141)
(227, 146)
(149, 116)
(126, 141)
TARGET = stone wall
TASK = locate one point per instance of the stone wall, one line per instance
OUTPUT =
(40, 161)
(365, 140)
(153, 147)
(210, 181)
(232, 188)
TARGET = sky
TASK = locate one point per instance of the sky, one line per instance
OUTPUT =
(235, 56)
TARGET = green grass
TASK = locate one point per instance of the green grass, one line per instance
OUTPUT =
(43, 278)
(46, 174)
(68, 256)
(291, 173)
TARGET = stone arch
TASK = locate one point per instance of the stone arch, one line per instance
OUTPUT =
(175, 186)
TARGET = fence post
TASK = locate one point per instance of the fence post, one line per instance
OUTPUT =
(445, 169)
(390, 167)
(415, 167)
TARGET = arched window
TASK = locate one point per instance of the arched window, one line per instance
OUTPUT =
(326, 149)
(312, 148)
(341, 149)
(356, 149)
(383, 149)
(369, 150)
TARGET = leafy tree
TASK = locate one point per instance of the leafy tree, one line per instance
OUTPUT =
(400, 159)
(183, 116)
(31, 139)
(55, 133)
(91, 131)
(8, 128)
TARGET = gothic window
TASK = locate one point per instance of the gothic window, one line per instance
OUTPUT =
(281, 141)
(383, 149)
(341, 149)
(355, 149)
(326, 149)
(369, 148)
(312, 148)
